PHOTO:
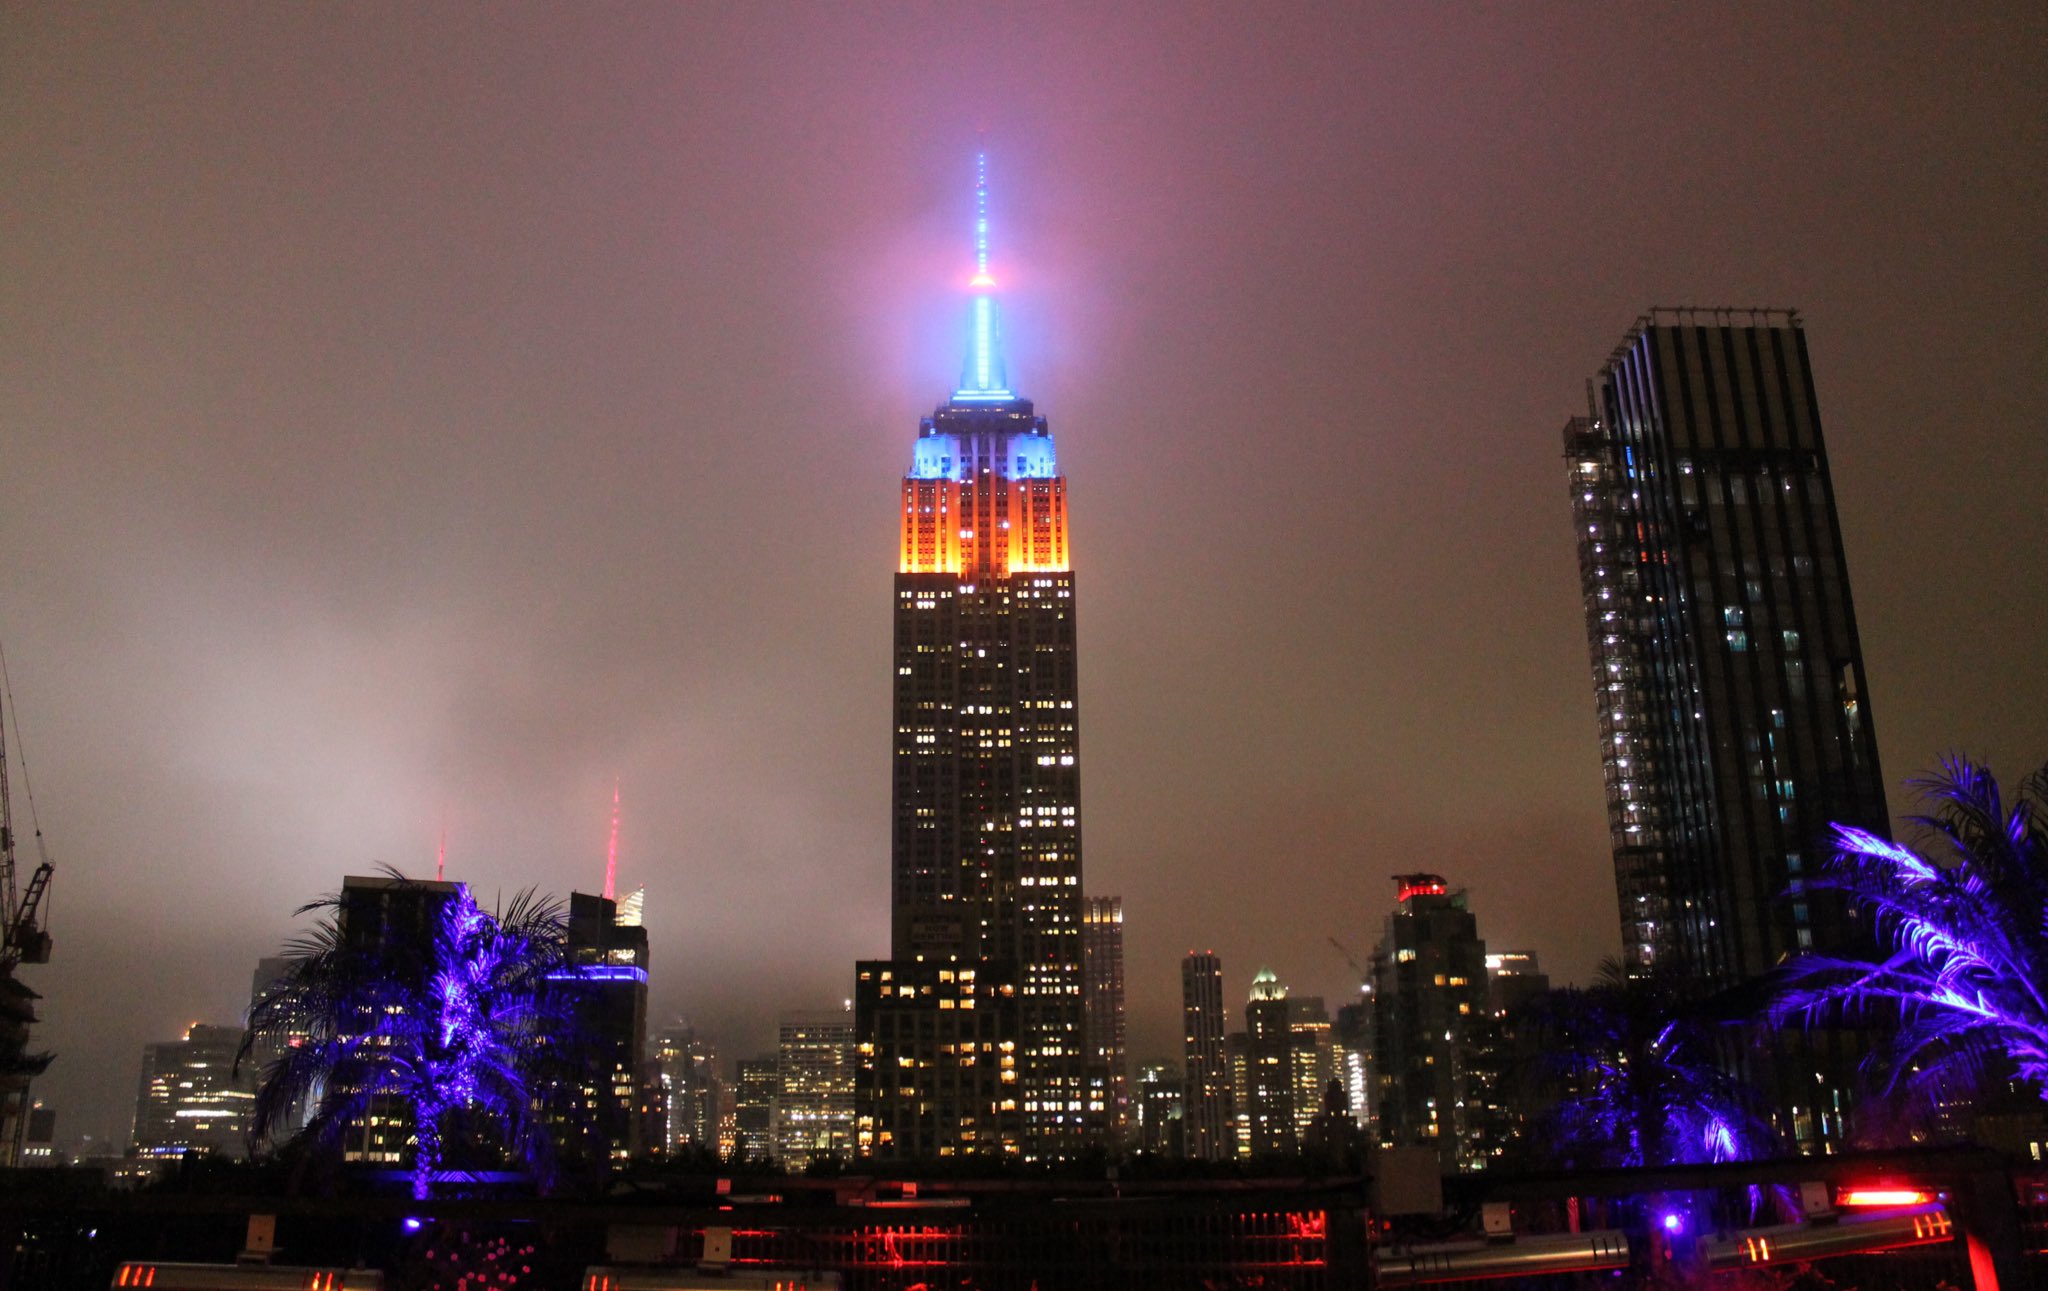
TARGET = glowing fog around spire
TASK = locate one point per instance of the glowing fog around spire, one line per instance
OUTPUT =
(984, 497)
(983, 380)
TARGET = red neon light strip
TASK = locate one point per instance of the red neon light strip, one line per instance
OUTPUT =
(1851, 1197)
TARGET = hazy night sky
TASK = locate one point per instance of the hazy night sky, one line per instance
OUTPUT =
(421, 416)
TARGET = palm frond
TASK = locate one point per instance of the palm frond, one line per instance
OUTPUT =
(1965, 983)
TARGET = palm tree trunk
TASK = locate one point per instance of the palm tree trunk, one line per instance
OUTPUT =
(426, 1161)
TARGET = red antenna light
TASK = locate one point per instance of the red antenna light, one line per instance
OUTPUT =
(611, 856)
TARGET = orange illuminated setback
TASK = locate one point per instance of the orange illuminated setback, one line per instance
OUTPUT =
(984, 528)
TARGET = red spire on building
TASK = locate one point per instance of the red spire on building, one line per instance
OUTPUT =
(611, 855)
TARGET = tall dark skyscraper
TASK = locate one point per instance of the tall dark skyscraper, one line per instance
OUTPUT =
(605, 983)
(1735, 719)
(971, 1033)
(1209, 1113)
(1431, 1025)
(1102, 1007)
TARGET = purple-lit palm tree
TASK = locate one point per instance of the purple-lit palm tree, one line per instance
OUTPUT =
(1635, 1072)
(462, 1032)
(1965, 983)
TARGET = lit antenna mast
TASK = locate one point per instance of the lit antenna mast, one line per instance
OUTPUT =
(983, 378)
(611, 855)
(981, 274)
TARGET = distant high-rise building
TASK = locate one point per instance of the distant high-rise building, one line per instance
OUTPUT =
(693, 1092)
(1102, 1004)
(1513, 980)
(1268, 1107)
(753, 1107)
(269, 1047)
(39, 1137)
(814, 1089)
(1311, 1060)
(1430, 1024)
(1351, 1045)
(1735, 722)
(1286, 1064)
(606, 984)
(986, 848)
(1512, 1064)
(1237, 1053)
(1208, 1116)
(191, 1099)
(650, 1109)
(1158, 1109)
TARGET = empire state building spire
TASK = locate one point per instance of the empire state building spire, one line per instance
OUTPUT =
(983, 379)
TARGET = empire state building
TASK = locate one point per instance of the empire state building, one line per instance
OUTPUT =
(970, 1033)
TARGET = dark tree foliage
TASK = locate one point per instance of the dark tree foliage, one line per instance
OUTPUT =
(1631, 1074)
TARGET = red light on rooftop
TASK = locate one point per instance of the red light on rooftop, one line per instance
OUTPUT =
(1421, 885)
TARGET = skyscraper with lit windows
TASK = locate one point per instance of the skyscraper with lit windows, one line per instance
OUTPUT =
(971, 1034)
(1102, 1008)
(814, 1089)
(192, 1098)
(1735, 722)
(1209, 1114)
(1431, 1027)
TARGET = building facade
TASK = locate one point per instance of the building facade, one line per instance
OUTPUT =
(268, 1047)
(1209, 1114)
(1156, 1108)
(814, 1089)
(1102, 1010)
(753, 1107)
(1735, 722)
(1311, 1060)
(1267, 1114)
(606, 985)
(191, 1100)
(985, 865)
(1351, 1046)
(693, 1092)
(39, 1138)
(1430, 1027)
(1287, 1061)
(1513, 1063)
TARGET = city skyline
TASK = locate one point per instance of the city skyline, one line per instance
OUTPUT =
(393, 446)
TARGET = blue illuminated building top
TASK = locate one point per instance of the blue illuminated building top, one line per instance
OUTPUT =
(1027, 454)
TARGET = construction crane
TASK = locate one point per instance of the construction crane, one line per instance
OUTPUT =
(1364, 981)
(23, 939)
